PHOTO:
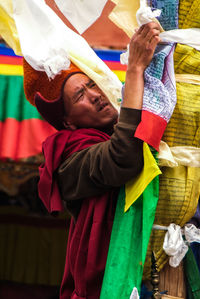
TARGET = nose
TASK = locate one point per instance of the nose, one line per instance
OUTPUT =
(93, 95)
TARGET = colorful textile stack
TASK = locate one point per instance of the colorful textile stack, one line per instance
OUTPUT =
(180, 186)
(160, 92)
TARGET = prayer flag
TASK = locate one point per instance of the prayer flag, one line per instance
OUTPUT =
(81, 13)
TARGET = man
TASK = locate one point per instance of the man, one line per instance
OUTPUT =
(92, 155)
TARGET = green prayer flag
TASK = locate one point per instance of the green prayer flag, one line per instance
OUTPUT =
(128, 245)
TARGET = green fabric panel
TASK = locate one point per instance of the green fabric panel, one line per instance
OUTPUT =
(192, 275)
(128, 245)
(13, 103)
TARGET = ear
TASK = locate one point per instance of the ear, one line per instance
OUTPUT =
(68, 125)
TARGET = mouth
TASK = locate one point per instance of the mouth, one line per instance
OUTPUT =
(101, 106)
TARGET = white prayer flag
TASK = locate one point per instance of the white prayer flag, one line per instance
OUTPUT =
(81, 13)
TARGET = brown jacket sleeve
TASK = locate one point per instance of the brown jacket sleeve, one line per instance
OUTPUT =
(105, 165)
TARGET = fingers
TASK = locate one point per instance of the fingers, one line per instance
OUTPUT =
(147, 28)
(148, 31)
(152, 33)
(143, 45)
(147, 34)
(154, 41)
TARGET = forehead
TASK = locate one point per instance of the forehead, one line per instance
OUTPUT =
(74, 83)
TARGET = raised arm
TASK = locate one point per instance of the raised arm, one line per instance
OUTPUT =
(112, 163)
(141, 50)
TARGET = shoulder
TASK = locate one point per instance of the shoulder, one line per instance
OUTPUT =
(83, 138)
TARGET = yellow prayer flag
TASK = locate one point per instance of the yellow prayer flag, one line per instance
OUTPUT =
(124, 15)
(136, 186)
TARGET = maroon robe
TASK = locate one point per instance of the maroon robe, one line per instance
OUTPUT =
(89, 235)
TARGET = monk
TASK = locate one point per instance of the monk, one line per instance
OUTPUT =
(93, 153)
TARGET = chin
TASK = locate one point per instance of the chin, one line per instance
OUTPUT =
(108, 125)
(115, 116)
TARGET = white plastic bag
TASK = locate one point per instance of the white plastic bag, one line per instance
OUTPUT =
(192, 233)
(174, 245)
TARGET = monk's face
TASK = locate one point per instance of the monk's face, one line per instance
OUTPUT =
(86, 105)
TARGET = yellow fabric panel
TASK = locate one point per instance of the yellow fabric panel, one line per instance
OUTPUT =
(179, 186)
(8, 28)
(186, 60)
(8, 69)
(189, 12)
(31, 254)
(178, 199)
(184, 126)
(136, 187)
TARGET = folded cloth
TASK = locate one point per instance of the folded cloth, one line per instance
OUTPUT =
(81, 14)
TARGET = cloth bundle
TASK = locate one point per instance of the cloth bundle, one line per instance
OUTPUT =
(180, 184)
(37, 27)
(174, 244)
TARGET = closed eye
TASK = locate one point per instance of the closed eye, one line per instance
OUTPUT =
(79, 98)
(91, 84)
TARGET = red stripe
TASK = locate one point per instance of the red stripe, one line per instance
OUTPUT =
(151, 129)
(23, 139)
(4, 59)
(115, 66)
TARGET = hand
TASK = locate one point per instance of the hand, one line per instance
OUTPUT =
(143, 45)
(141, 50)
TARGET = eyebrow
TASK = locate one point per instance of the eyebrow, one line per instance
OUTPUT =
(90, 81)
(80, 90)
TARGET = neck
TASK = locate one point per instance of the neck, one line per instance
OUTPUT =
(109, 130)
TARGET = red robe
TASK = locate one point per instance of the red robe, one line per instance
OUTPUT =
(89, 236)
